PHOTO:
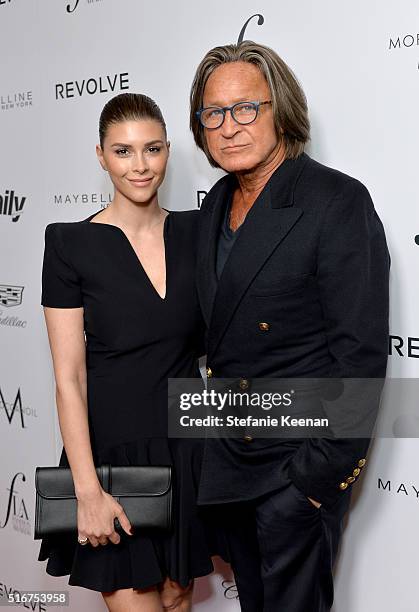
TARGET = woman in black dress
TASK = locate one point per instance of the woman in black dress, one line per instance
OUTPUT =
(122, 317)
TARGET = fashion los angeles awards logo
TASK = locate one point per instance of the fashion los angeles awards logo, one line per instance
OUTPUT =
(16, 511)
(11, 205)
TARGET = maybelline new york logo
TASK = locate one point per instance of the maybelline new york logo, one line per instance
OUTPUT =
(11, 205)
(101, 199)
(16, 510)
(16, 100)
(403, 488)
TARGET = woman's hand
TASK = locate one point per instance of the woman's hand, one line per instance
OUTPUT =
(95, 518)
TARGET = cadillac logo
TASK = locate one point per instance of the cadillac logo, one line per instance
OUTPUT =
(10, 295)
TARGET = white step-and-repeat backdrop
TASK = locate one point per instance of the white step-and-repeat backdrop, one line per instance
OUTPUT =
(60, 61)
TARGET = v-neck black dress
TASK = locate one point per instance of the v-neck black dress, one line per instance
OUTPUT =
(135, 341)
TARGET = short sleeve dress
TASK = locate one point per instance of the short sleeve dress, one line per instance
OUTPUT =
(135, 341)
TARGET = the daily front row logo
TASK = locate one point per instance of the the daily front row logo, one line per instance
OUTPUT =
(11, 205)
(16, 510)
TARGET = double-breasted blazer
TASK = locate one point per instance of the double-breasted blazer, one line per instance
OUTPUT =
(304, 293)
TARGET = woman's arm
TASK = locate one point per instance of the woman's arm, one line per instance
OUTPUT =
(96, 508)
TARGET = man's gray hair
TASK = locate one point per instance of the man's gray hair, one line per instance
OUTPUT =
(289, 104)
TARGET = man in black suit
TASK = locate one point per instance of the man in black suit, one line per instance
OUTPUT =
(293, 283)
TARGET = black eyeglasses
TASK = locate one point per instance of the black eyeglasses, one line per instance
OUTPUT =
(244, 113)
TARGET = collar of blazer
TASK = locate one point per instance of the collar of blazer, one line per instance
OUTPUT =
(267, 223)
(281, 185)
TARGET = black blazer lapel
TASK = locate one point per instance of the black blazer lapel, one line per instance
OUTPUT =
(267, 223)
(211, 215)
(258, 238)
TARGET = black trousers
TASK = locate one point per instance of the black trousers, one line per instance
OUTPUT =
(282, 550)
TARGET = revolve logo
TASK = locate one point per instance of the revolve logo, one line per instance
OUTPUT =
(11, 205)
(404, 347)
(91, 86)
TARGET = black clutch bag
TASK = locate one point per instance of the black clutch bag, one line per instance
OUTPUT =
(145, 493)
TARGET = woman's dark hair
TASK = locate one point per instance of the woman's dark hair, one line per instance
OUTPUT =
(128, 107)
